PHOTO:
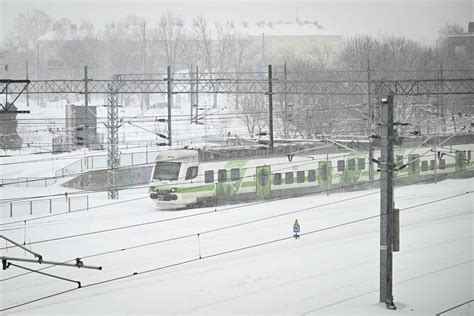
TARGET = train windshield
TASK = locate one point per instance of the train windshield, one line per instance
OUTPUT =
(166, 170)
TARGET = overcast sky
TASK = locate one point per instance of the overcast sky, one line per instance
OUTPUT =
(419, 20)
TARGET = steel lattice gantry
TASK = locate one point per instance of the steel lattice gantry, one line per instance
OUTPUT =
(207, 84)
(112, 125)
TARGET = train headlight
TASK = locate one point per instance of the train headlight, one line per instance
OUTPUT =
(173, 190)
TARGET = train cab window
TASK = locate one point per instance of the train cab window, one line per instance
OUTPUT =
(288, 177)
(424, 165)
(340, 165)
(165, 170)
(300, 176)
(311, 175)
(351, 164)
(221, 175)
(191, 173)
(209, 176)
(399, 161)
(235, 174)
(432, 165)
(277, 179)
(442, 163)
(361, 163)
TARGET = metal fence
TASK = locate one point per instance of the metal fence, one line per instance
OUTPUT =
(81, 165)
(100, 162)
(44, 206)
(27, 182)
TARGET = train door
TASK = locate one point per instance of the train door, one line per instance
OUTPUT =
(263, 183)
(413, 166)
(324, 175)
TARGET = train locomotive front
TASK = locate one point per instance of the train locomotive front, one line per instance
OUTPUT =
(174, 173)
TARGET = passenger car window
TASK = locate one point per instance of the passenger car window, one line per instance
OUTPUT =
(324, 172)
(311, 175)
(442, 164)
(351, 164)
(340, 165)
(424, 165)
(191, 173)
(277, 179)
(288, 177)
(361, 163)
(234, 174)
(209, 176)
(300, 176)
(221, 175)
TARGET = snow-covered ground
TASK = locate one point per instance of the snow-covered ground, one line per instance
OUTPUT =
(250, 263)
(233, 259)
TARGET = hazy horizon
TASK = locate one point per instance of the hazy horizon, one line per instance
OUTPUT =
(418, 20)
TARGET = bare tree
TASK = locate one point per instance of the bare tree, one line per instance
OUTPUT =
(169, 36)
(252, 112)
(29, 26)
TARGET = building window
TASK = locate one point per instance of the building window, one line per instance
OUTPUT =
(209, 176)
(311, 175)
(300, 176)
(235, 174)
(277, 179)
(288, 177)
(222, 175)
(340, 165)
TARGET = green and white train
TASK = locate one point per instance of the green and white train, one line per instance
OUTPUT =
(189, 177)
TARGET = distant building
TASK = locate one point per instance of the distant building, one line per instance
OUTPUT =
(276, 41)
(461, 47)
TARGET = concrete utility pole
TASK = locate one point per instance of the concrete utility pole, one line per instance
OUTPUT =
(386, 202)
(286, 101)
(191, 94)
(197, 95)
(170, 101)
(112, 143)
(27, 90)
(86, 108)
(370, 120)
(270, 105)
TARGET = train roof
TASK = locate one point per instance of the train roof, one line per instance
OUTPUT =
(245, 152)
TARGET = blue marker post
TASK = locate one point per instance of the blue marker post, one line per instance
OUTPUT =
(296, 229)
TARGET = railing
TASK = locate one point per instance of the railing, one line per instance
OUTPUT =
(28, 182)
(44, 206)
(100, 162)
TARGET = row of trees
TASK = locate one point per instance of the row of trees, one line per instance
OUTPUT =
(129, 45)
